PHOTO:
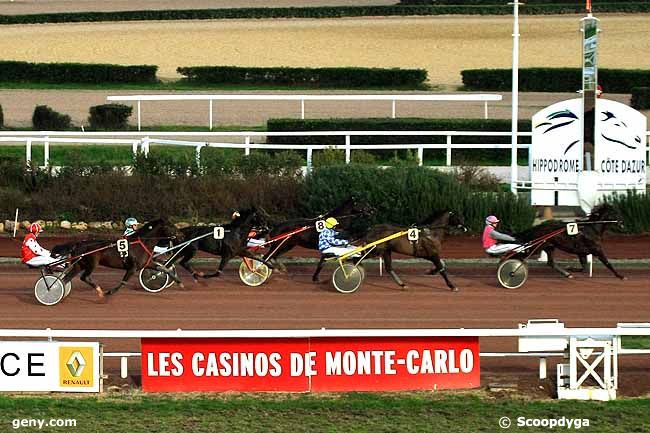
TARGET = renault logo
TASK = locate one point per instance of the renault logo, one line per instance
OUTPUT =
(76, 364)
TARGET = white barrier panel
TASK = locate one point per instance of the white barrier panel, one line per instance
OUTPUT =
(49, 366)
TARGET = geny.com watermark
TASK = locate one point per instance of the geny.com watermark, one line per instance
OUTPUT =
(550, 423)
(40, 423)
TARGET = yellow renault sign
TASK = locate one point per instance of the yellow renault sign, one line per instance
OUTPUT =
(76, 366)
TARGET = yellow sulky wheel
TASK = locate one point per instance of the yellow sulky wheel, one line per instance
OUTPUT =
(347, 278)
(253, 272)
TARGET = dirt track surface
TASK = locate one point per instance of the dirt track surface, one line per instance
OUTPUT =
(294, 302)
(53, 6)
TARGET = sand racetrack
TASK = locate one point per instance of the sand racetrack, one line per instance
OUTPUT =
(443, 45)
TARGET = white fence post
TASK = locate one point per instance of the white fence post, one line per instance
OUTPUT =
(309, 158)
(28, 151)
(210, 114)
(145, 146)
(247, 141)
(394, 110)
(46, 151)
(198, 155)
(420, 155)
(302, 109)
(448, 150)
(139, 120)
(347, 149)
(124, 367)
(134, 147)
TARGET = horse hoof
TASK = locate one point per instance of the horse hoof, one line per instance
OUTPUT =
(454, 289)
(200, 274)
(181, 286)
(100, 292)
(623, 278)
(569, 276)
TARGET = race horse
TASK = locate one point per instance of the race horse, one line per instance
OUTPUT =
(232, 245)
(85, 256)
(345, 213)
(589, 239)
(428, 246)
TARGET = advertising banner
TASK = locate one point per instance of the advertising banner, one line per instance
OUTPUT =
(310, 364)
(49, 366)
(556, 154)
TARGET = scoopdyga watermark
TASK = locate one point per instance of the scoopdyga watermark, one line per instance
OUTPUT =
(549, 423)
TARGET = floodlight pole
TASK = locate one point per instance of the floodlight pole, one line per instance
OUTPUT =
(514, 172)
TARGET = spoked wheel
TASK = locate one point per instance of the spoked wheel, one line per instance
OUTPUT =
(67, 285)
(512, 273)
(347, 278)
(154, 281)
(253, 272)
(50, 290)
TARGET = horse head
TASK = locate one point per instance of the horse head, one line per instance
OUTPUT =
(457, 221)
(252, 217)
(606, 212)
(158, 228)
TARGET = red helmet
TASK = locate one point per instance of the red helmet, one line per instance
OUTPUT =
(35, 228)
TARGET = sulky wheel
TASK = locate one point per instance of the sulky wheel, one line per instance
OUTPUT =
(347, 278)
(153, 280)
(512, 273)
(253, 272)
(49, 290)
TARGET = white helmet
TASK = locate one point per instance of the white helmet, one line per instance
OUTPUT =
(131, 222)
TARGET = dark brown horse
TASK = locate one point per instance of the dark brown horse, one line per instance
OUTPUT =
(85, 256)
(346, 213)
(589, 239)
(232, 245)
(428, 246)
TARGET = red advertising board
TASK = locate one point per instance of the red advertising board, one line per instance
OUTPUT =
(316, 364)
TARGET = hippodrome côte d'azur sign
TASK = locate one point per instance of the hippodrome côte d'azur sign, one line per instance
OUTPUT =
(556, 154)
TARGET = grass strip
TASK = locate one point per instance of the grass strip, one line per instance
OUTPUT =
(355, 412)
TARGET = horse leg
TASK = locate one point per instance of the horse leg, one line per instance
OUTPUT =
(188, 254)
(441, 268)
(169, 272)
(583, 264)
(388, 261)
(319, 267)
(552, 264)
(604, 261)
(224, 259)
(85, 277)
(129, 272)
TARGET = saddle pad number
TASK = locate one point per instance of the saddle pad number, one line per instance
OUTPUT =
(219, 233)
(572, 229)
(413, 235)
(320, 226)
(123, 247)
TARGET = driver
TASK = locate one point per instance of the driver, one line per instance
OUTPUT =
(31, 253)
(329, 243)
(131, 225)
(491, 237)
(253, 241)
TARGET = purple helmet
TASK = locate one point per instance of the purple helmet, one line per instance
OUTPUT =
(491, 220)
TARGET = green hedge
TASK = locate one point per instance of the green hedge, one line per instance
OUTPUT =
(405, 124)
(349, 77)
(406, 195)
(553, 79)
(109, 117)
(635, 210)
(76, 73)
(316, 12)
(579, 3)
(46, 119)
(640, 98)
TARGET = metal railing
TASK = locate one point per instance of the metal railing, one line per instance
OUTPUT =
(468, 97)
(623, 329)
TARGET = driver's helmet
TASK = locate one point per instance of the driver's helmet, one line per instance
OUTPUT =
(491, 220)
(235, 215)
(331, 222)
(131, 222)
(35, 228)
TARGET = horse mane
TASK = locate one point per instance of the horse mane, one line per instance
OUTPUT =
(433, 218)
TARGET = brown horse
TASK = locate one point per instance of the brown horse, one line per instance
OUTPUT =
(428, 246)
(85, 256)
